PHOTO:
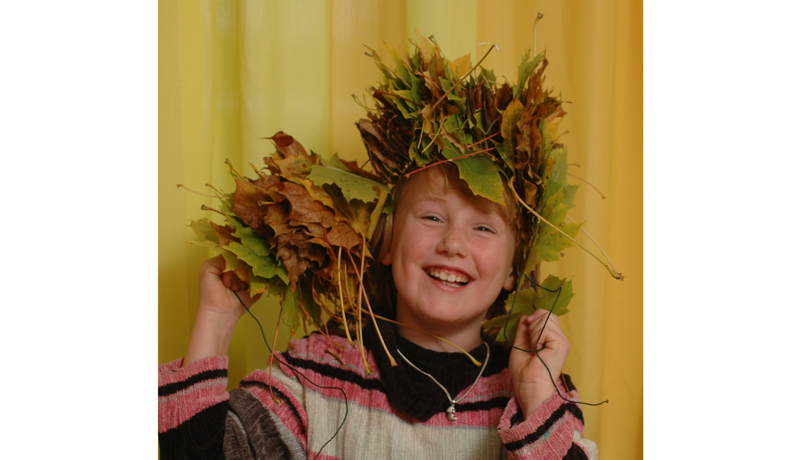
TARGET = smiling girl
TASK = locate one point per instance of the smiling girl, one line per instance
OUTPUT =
(446, 257)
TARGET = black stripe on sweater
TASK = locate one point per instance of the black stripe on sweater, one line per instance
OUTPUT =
(546, 426)
(172, 388)
(499, 402)
(280, 395)
(575, 453)
(334, 372)
(201, 437)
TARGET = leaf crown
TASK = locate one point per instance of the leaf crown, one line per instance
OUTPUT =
(430, 110)
(300, 229)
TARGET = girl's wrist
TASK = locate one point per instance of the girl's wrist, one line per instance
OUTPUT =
(211, 335)
(533, 401)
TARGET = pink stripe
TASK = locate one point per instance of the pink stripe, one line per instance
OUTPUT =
(552, 447)
(176, 409)
(282, 411)
(172, 372)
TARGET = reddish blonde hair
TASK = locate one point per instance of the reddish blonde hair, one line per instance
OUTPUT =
(380, 280)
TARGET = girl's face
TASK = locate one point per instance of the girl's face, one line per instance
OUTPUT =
(449, 257)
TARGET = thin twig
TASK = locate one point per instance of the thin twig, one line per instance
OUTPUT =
(595, 243)
(341, 296)
(369, 307)
(613, 272)
(195, 192)
(272, 355)
(589, 183)
(449, 160)
(475, 361)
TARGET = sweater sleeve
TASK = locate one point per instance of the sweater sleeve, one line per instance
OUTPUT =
(192, 408)
(199, 419)
(553, 432)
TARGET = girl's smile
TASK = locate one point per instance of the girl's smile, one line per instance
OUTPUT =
(450, 259)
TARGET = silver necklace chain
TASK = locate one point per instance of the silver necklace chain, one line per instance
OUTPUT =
(451, 411)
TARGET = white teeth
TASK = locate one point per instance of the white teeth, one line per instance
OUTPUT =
(447, 278)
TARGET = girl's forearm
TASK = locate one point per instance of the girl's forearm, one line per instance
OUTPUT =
(211, 336)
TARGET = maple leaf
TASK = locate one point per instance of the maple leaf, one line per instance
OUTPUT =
(352, 186)
(246, 205)
(483, 177)
(553, 295)
(510, 117)
(343, 235)
(263, 266)
(461, 66)
(304, 208)
(204, 233)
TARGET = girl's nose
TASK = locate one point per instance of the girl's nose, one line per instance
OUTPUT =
(452, 242)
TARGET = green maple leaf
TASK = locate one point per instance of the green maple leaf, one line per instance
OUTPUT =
(255, 251)
(554, 295)
(263, 266)
(550, 242)
(510, 117)
(525, 70)
(250, 238)
(295, 302)
(508, 326)
(483, 177)
(204, 233)
(232, 262)
(353, 186)
(291, 309)
(517, 307)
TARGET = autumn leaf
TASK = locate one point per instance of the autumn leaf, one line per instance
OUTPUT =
(353, 187)
(510, 117)
(204, 233)
(483, 177)
(554, 295)
(263, 266)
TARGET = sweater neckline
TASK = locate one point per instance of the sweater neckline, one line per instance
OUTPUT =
(414, 393)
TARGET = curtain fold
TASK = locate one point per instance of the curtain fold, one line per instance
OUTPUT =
(234, 72)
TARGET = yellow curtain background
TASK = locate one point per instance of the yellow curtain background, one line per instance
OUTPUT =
(232, 72)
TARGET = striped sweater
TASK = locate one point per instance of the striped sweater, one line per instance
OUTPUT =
(393, 412)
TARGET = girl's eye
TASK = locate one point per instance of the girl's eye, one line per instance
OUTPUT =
(432, 218)
(484, 229)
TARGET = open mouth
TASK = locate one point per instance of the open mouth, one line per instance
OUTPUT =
(448, 279)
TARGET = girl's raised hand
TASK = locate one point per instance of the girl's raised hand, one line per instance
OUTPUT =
(217, 290)
(532, 383)
(218, 311)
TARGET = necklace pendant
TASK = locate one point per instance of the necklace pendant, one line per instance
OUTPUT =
(451, 413)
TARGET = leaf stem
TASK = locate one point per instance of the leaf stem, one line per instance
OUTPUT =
(272, 356)
(369, 307)
(474, 361)
(446, 160)
(433, 140)
(206, 208)
(233, 170)
(595, 243)
(589, 183)
(195, 192)
(482, 140)
(341, 296)
(613, 272)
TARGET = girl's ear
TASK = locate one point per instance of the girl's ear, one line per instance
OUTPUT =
(510, 282)
(387, 258)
